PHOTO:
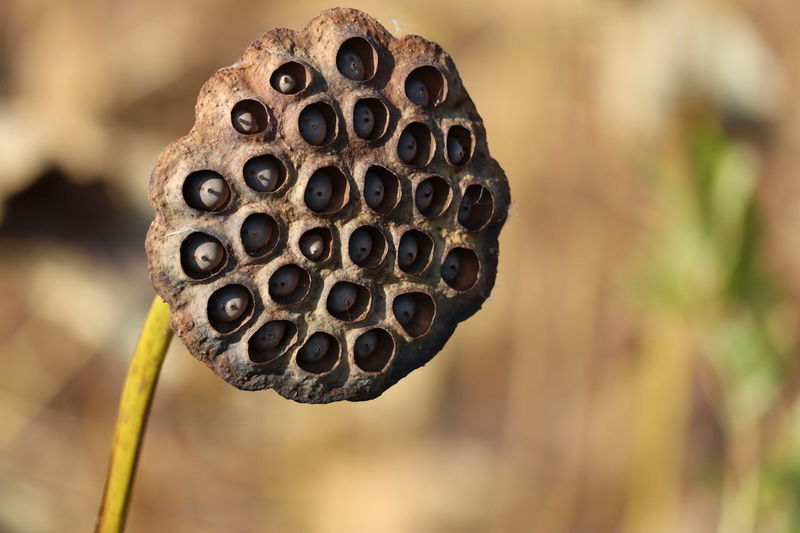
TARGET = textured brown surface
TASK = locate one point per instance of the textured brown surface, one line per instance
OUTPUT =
(214, 144)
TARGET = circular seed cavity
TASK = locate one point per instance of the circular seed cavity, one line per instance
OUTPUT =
(414, 252)
(459, 146)
(319, 354)
(460, 269)
(367, 247)
(381, 190)
(206, 190)
(270, 341)
(318, 124)
(326, 191)
(249, 117)
(425, 86)
(259, 234)
(476, 207)
(416, 145)
(202, 256)
(229, 307)
(356, 59)
(373, 350)
(289, 78)
(316, 244)
(347, 301)
(370, 119)
(414, 311)
(433, 196)
(265, 173)
(289, 284)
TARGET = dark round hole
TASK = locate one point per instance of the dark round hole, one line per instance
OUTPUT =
(425, 86)
(459, 146)
(319, 354)
(370, 119)
(347, 301)
(356, 59)
(414, 252)
(381, 190)
(414, 311)
(432, 196)
(206, 190)
(373, 350)
(316, 244)
(289, 284)
(229, 307)
(270, 341)
(367, 247)
(460, 269)
(326, 191)
(415, 145)
(265, 173)
(202, 256)
(318, 124)
(249, 117)
(476, 207)
(289, 78)
(260, 234)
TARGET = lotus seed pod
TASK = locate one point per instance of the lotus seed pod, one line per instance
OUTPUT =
(404, 308)
(342, 297)
(365, 344)
(228, 304)
(407, 251)
(350, 65)
(373, 190)
(417, 92)
(269, 336)
(363, 120)
(204, 255)
(207, 191)
(312, 246)
(284, 282)
(286, 83)
(256, 232)
(360, 245)
(319, 191)
(455, 151)
(450, 267)
(315, 349)
(262, 174)
(312, 126)
(424, 195)
(407, 147)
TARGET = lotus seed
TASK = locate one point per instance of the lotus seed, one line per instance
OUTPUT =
(373, 190)
(465, 209)
(351, 65)
(204, 255)
(366, 344)
(450, 267)
(256, 233)
(407, 251)
(455, 151)
(246, 122)
(284, 282)
(360, 245)
(312, 245)
(424, 195)
(417, 92)
(319, 191)
(286, 83)
(363, 120)
(262, 174)
(404, 307)
(228, 303)
(208, 191)
(312, 126)
(315, 349)
(342, 297)
(269, 336)
(407, 147)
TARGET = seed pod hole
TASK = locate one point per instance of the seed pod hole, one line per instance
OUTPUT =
(326, 191)
(289, 78)
(370, 119)
(425, 86)
(229, 307)
(259, 234)
(432, 196)
(367, 247)
(316, 244)
(318, 124)
(202, 256)
(249, 117)
(319, 354)
(415, 146)
(270, 341)
(206, 190)
(289, 284)
(414, 252)
(459, 146)
(460, 269)
(265, 173)
(381, 190)
(414, 311)
(373, 350)
(476, 207)
(357, 59)
(347, 301)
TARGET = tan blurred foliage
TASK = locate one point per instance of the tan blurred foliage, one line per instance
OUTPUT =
(635, 370)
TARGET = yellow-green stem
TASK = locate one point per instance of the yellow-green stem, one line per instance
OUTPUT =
(134, 407)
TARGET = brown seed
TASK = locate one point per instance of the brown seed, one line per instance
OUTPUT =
(269, 336)
(424, 195)
(256, 233)
(262, 174)
(407, 147)
(228, 303)
(245, 121)
(417, 92)
(286, 83)
(365, 344)
(319, 191)
(312, 245)
(455, 151)
(312, 126)
(207, 191)
(450, 267)
(404, 308)
(363, 120)
(373, 190)
(407, 251)
(360, 245)
(283, 282)
(342, 297)
(204, 254)
(350, 65)
(314, 349)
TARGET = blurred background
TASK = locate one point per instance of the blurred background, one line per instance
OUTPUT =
(635, 370)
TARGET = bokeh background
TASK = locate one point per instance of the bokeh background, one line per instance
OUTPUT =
(637, 368)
